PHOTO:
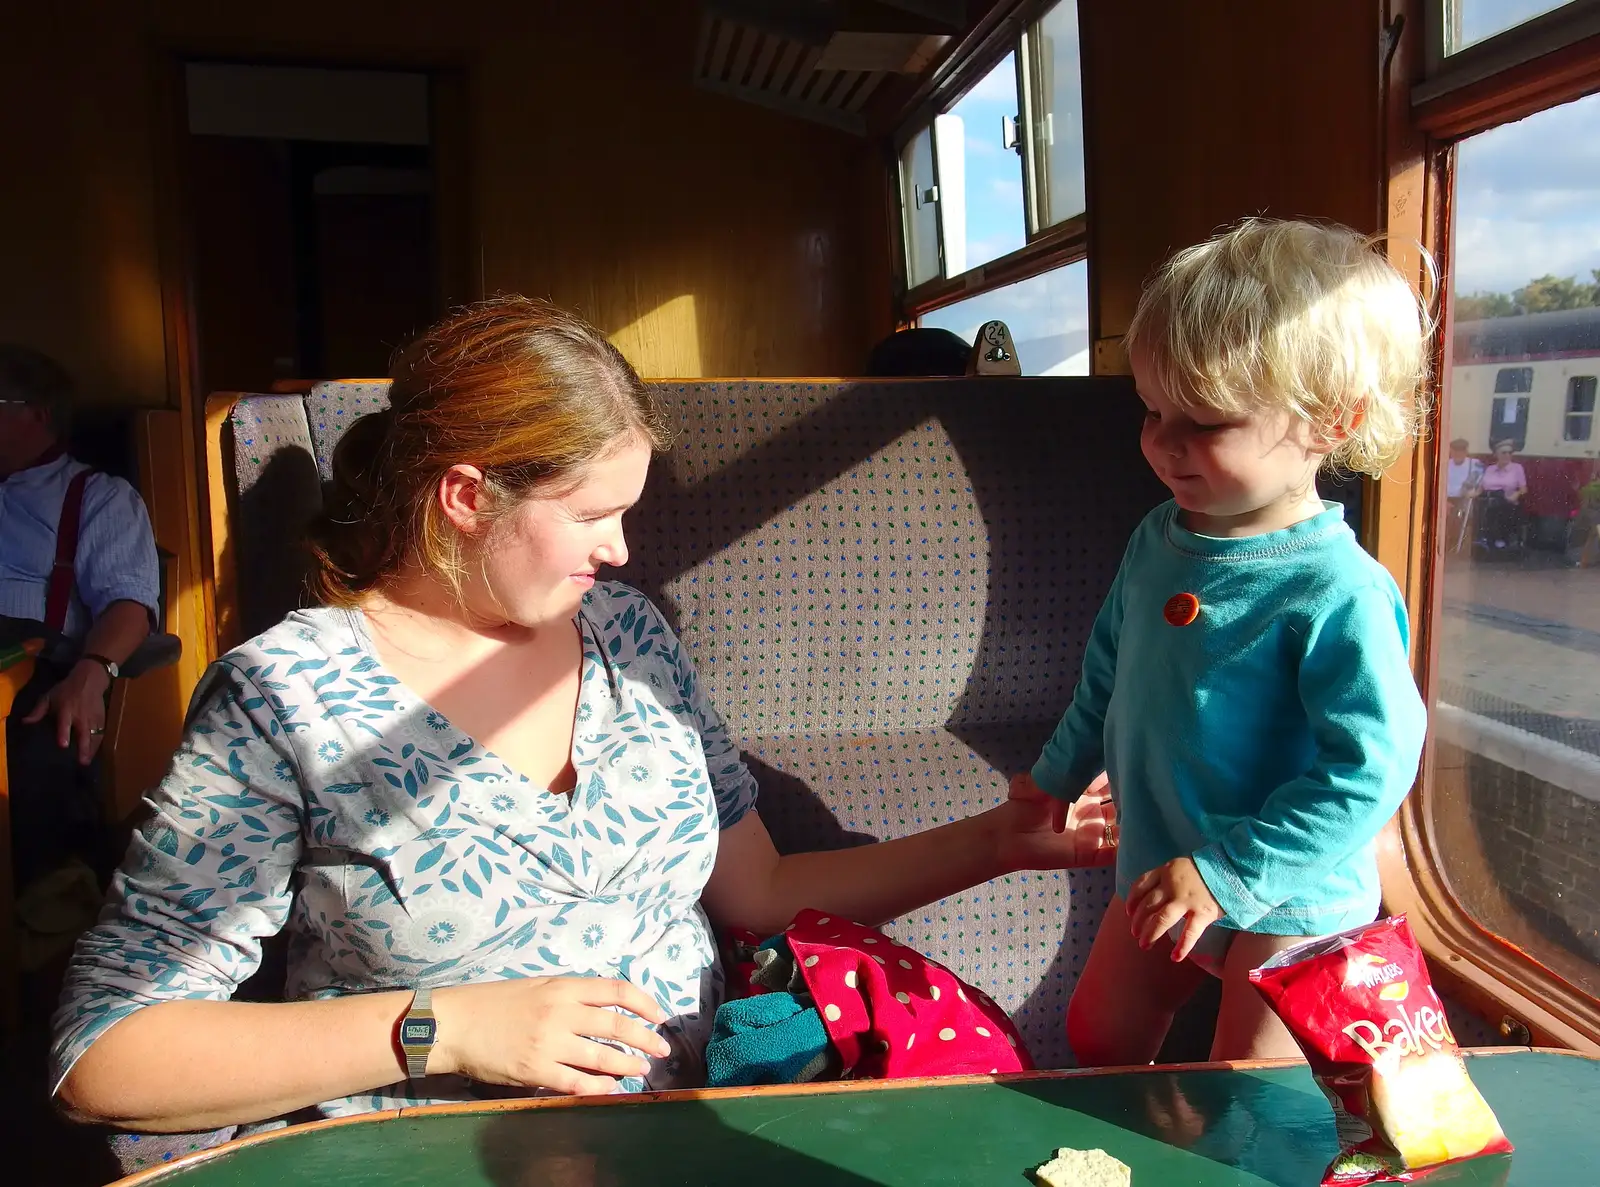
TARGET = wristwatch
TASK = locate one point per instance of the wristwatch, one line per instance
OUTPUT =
(418, 1029)
(113, 669)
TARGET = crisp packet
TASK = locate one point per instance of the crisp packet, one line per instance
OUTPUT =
(1363, 1010)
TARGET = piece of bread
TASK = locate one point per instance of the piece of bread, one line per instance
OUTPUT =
(1083, 1168)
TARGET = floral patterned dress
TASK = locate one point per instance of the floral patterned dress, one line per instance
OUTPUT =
(313, 791)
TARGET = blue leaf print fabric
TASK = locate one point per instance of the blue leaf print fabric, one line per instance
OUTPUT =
(314, 792)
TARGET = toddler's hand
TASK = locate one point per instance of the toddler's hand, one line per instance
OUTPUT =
(1168, 895)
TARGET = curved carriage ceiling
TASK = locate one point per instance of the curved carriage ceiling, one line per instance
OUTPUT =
(820, 60)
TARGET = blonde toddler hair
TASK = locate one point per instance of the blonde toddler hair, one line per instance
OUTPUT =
(1301, 316)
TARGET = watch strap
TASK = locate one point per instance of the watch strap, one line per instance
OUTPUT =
(418, 1029)
(113, 669)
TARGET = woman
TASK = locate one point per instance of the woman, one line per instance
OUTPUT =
(477, 770)
(1503, 485)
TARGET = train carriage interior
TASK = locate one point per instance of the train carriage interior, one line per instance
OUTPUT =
(874, 261)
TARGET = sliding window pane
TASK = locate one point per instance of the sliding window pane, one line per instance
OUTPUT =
(919, 209)
(1516, 719)
(972, 144)
(1056, 111)
(1472, 21)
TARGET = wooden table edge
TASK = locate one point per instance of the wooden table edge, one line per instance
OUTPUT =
(832, 1087)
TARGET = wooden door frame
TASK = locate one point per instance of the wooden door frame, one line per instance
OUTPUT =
(458, 274)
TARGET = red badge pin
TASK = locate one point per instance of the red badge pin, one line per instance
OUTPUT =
(1181, 609)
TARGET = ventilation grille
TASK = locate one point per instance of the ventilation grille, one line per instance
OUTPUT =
(828, 83)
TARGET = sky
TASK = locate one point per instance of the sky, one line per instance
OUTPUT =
(1048, 317)
(995, 220)
(1528, 199)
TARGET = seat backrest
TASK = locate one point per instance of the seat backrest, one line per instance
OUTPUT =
(268, 456)
(890, 555)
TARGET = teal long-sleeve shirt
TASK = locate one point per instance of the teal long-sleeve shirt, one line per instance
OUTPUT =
(1269, 739)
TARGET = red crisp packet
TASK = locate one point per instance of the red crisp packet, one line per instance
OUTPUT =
(1363, 1010)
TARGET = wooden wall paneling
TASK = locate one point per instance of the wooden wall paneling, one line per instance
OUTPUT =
(619, 193)
(1201, 113)
(148, 711)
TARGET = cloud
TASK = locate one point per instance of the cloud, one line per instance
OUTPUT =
(998, 86)
(1485, 18)
(1528, 200)
(1050, 306)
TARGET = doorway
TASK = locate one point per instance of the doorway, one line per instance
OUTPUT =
(314, 228)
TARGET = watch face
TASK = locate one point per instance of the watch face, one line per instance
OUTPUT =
(418, 1031)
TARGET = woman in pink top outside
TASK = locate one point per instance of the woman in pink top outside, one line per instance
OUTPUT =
(1503, 484)
(1505, 475)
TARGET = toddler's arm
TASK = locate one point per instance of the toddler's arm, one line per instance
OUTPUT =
(1075, 754)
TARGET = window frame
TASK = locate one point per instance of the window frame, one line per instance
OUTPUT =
(1404, 510)
(1004, 32)
(1586, 414)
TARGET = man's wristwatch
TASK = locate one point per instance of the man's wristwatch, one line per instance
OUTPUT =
(418, 1029)
(113, 669)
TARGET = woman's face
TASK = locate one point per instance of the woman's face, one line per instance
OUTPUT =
(1502, 456)
(538, 560)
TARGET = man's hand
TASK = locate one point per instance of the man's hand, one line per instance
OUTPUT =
(1168, 895)
(78, 704)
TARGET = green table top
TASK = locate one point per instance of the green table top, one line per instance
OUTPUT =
(1192, 1128)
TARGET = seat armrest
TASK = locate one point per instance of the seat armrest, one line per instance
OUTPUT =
(157, 651)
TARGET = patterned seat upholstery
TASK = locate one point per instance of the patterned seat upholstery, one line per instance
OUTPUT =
(332, 406)
(282, 455)
(885, 586)
(886, 589)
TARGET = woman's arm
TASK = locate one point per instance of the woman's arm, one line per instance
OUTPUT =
(188, 1065)
(753, 887)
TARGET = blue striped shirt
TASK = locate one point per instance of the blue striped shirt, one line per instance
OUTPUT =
(116, 558)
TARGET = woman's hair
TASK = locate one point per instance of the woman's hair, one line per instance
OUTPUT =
(1506, 444)
(527, 393)
(1306, 317)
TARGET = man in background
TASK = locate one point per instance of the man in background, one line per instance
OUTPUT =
(78, 568)
(1463, 475)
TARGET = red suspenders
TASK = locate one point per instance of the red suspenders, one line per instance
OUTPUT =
(59, 596)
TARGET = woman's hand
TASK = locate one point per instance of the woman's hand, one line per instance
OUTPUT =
(542, 1032)
(1040, 832)
(1168, 895)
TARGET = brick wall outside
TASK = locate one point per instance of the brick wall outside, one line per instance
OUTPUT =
(1542, 845)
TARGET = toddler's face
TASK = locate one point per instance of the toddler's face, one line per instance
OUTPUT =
(1228, 474)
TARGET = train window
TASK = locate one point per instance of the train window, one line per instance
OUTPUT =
(1514, 792)
(1580, 409)
(1054, 95)
(1048, 316)
(1513, 379)
(977, 141)
(1472, 21)
(991, 169)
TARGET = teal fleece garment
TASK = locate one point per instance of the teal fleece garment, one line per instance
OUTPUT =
(1270, 739)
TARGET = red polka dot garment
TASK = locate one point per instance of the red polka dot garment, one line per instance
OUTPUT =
(891, 1013)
